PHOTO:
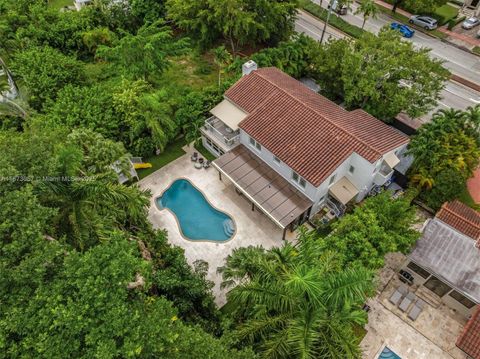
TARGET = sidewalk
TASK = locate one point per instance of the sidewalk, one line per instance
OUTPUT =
(468, 40)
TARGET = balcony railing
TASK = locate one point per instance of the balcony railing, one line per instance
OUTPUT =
(218, 129)
(385, 169)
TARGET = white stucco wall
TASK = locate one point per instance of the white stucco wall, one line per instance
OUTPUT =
(362, 176)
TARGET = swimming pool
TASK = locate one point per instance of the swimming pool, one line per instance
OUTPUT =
(388, 354)
(197, 218)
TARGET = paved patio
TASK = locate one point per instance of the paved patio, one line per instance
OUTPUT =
(432, 335)
(253, 227)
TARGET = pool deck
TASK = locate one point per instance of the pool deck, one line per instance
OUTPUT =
(431, 336)
(253, 227)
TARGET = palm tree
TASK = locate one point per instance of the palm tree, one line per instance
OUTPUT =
(296, 301)
(221, 58)
(9, 103)
(368, 9)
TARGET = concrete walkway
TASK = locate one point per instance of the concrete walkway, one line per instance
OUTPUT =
(253, 227)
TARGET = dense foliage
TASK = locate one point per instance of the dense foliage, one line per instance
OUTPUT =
(297, 301)
(446, 152)
(381, 74)
(379, 226)
(240, 22)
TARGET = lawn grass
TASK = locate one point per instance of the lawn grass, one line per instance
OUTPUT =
(465, 198)
(58, 4)
(445, 13)
(171, 153)
(204, 152)
(476, 50)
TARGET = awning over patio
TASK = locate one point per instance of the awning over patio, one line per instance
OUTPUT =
(269, 191)
(229, 114)
(343, 190)
(392, 160)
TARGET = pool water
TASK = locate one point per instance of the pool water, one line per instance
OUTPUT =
(197, 219)
(388, 354)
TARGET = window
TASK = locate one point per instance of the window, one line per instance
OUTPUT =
(462, 299)
(419, 270)
(332, 179)
(437, 286)
(299, 180)
(276, 160)
(255, 144)
(351, 170)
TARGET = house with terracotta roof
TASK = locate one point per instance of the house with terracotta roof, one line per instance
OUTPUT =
(469, 340)
(291, 152)
(445, 261)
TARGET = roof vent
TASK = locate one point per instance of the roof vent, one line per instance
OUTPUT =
(248, 67)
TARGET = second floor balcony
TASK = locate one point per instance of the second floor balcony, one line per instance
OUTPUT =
(219, 132)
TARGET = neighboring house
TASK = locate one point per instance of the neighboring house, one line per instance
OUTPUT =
(474, 5)
(469, 340)
(446, 260)
(292, 152)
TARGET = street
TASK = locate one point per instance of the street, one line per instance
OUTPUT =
(457, 61)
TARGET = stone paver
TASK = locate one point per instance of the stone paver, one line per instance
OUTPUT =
(253, 228)
(432, 335)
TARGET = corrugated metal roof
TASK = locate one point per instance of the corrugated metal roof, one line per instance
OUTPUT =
(275, 196)
(308, 132)
(451, 256)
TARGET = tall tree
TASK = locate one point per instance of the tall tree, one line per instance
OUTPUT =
(296, 301)
(44, 71)
(381, 225)
(381, 74)
(146, 53)
(368, 9)
(238, 21)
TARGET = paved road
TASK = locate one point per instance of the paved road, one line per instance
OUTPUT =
(454, 95)
(457, 61)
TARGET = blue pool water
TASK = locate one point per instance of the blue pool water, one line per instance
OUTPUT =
(198, 220)
(388, 354)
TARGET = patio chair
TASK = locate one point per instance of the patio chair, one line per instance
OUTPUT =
(201, 160)
(398, 294)
(206, 164)
(194, 157)
(405, 304)
(416, 309)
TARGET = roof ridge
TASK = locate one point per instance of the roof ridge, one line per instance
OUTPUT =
(457, 215)
(318, 113)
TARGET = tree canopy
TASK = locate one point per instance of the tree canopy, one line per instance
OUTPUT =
(380, 74)
(238, 21)
(446, 151)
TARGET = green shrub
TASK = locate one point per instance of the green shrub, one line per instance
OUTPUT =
(454, 22)
(445, 13)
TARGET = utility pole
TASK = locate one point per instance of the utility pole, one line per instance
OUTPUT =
(332, 6)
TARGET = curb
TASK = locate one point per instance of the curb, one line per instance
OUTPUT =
(465, 82)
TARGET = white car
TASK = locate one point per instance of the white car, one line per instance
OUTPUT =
(471, 23)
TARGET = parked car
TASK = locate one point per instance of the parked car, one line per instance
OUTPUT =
(403, 29)
(427, 22)
(471, 23)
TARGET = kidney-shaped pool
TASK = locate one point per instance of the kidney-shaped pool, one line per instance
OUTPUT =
(197, 218)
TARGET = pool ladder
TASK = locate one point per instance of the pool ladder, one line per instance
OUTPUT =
(228, 227)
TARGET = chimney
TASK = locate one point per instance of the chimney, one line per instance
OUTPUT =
(248, 67)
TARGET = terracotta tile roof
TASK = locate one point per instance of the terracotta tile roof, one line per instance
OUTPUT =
(461, 217)
(469, 340)
(308, 132)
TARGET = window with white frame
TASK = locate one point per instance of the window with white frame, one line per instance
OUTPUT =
(332, 179)
(255, 144)
(276, 160)
(299, 179)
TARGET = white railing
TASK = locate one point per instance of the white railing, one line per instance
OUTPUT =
(221, 131)
(336, 207)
